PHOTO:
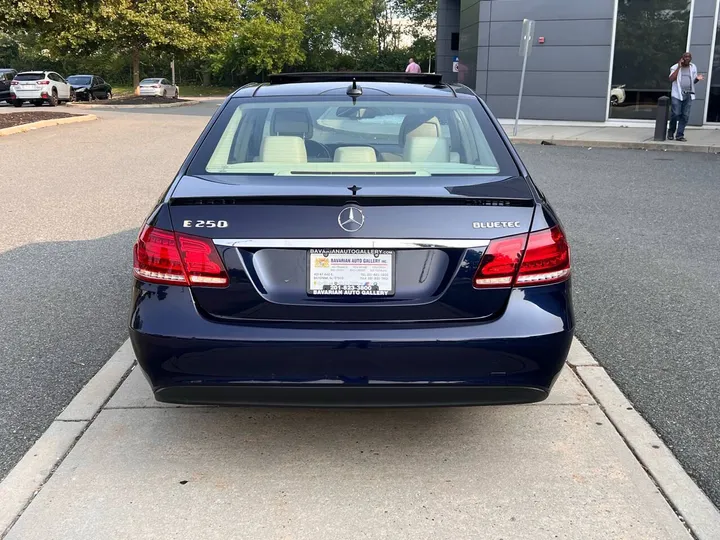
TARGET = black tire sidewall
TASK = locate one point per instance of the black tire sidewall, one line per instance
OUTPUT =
(53, 99)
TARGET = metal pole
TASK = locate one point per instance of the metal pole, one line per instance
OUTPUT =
(661, 119)
(172, 68)
(522, 84)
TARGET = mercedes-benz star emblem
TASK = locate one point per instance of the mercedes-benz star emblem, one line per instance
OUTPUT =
(351, 219)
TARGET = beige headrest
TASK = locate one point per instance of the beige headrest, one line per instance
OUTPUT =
(355, 154)
(419, 125)
(283, 149)
(427, 129)
(435, 149)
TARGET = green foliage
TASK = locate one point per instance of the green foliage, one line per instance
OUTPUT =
(221, 41)
(269, 34)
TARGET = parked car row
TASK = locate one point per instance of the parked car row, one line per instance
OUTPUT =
(38, 87)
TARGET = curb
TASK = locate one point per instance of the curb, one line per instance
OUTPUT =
(46, 123)
(629, 145)
(25, 480)
(187, 103)
(690, 503)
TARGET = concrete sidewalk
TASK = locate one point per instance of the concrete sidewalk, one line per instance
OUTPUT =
(558, 469)
(703, 140)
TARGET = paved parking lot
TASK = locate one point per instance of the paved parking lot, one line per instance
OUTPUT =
(70, 217)
(643, 230)
(641, 226)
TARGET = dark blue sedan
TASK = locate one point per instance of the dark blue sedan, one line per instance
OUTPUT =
(352, 240)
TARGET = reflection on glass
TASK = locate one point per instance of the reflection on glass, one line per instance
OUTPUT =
(651, 36)
(714, 101)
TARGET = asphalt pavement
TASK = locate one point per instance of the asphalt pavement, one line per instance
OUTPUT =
(72, 199)
(643, 228)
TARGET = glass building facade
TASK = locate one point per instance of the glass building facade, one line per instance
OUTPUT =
(599, 60)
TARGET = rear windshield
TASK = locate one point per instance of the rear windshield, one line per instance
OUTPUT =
(29, 77)
(79, 79)
(333, 136)
(149, 81)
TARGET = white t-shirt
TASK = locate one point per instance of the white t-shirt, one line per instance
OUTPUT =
(677, 89)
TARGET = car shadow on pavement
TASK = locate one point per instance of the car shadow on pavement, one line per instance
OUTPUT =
(64, 313)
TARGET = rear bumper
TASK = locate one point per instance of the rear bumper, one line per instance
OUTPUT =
(351, 396)
(28, 94)
(189, 358)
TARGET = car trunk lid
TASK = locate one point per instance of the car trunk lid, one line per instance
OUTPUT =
(410, 254)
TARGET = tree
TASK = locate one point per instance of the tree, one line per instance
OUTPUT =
(134, 26)
(270, 34)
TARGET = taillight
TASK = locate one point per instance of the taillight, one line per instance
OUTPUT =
(202, 262)
(156, 86)
(43, 82)
(500, 262)
(546, 259)
(177, 259)
(13, 83)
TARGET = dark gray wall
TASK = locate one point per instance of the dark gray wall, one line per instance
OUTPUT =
(567, 77)
(702, 30)
(448, 21)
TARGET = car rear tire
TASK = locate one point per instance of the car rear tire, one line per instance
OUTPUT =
(164, 94)
(53, 99)
(17, 103)
(177, 94)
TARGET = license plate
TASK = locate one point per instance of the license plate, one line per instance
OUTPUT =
(27, 86)
(351, 272)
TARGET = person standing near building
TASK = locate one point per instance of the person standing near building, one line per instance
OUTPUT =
(413, 67)
(683, 76)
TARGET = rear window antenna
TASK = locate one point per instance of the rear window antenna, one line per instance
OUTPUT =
(354, 91)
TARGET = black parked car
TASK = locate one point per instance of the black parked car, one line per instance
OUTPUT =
(89, 87)
(6, 75)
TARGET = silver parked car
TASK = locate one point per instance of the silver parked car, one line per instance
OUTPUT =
(159, 87)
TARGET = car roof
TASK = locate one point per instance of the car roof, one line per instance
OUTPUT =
(377, 84)
(35, 72)
(82, 75)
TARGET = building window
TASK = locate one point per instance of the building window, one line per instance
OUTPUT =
(454, 41)
(714, 101)
(651, 36)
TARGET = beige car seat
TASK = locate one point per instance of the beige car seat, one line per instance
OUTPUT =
(418, 125)
(424, 149)
(355, 154)
(283, 149)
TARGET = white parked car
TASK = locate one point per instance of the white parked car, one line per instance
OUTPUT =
(159, 87)
(39, 87)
